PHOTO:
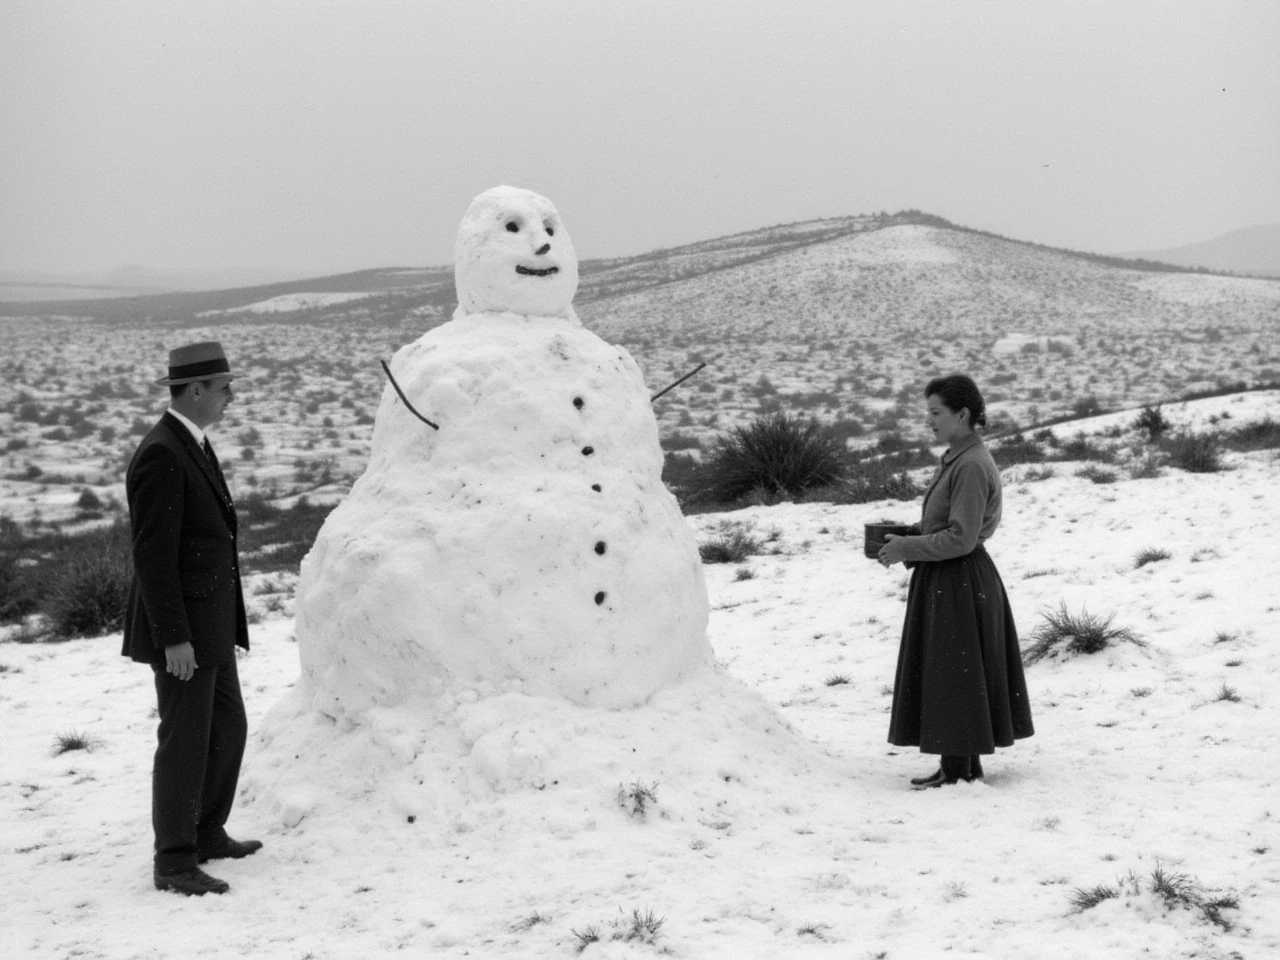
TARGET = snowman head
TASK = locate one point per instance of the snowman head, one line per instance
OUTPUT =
(514, 256)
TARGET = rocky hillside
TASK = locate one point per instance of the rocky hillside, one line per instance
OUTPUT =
(843, 320)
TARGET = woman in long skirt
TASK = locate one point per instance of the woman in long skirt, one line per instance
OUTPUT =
(960, 690)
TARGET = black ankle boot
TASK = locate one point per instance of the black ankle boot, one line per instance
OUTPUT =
(953, 770)
(926, 781)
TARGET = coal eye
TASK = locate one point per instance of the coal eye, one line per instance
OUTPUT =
(513, 227)
(551, 231)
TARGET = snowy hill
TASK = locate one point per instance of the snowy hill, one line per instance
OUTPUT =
(842, 320)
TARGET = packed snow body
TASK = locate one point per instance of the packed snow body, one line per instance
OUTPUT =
(527, 545)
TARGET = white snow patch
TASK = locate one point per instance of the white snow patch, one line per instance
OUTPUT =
(289, 302)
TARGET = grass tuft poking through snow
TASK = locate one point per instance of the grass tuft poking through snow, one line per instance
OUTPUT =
(74, 740)
(636, 797)
(642, 926)
(1175, 891)
(1064, 631)
(1227, 693)
(1150, 555)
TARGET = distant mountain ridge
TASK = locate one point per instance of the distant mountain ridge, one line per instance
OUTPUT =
(838, 318)
(1252, 250)
(393, 290)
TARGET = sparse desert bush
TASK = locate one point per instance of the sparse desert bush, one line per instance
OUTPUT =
(1089, 406)
(74, 740)
(272, 538)
(1063, 631)
(586, 937)
(1146, 467)
(1081, 448)
(891, 439)
(681, 472)
(1261, 434)
(744, 573)
(636, 797)
(1150, 555)
(1017, 449)
(29, 412)
(1228, 694)
(1195, 452)
(1096, 474)
(732, 543)
(782, 455)
(1036, 474)
(88, 595)
(842, 429)
(681, 441)
(867, 480)
(1086, 899)
(1221, 390)
(1178, 891)
(1045, 572)
(18, 593)
(1152, 422)
(641, 927)
(524, 924)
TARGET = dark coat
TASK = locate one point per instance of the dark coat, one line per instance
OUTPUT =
(186, 583)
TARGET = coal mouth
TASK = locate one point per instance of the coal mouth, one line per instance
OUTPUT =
(533, 272)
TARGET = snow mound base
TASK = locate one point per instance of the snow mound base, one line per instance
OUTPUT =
(442, 764)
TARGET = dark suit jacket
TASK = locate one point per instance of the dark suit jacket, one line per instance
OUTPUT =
(186, 582)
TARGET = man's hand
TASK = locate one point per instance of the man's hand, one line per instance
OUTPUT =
(893, 551)
(180, 660)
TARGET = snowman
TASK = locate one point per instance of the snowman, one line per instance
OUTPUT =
(526, 545)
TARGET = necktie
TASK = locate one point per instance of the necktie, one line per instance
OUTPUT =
(217, 468)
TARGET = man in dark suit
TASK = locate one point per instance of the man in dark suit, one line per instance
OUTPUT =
(185, 618)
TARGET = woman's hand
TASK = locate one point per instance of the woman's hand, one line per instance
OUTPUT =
(893, 551)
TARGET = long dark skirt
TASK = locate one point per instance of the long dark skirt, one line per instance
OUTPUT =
(960, 687)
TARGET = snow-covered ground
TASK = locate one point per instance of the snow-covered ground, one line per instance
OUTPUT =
(1165, 754)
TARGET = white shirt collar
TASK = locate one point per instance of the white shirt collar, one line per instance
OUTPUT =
(195, 431)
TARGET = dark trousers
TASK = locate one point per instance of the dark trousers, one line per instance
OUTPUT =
(201, 743)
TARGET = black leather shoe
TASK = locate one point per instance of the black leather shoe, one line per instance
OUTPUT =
(194, 883)
(230, 850)
(941, 781)
(927, 781)
(953, 769)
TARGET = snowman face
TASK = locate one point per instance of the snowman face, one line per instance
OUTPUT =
(513, 255)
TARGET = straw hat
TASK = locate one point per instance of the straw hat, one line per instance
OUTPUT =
(196, 361)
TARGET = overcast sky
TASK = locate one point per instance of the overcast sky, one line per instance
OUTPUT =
(323, 136)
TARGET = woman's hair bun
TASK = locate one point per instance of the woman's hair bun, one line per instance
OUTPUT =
(958, 392)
